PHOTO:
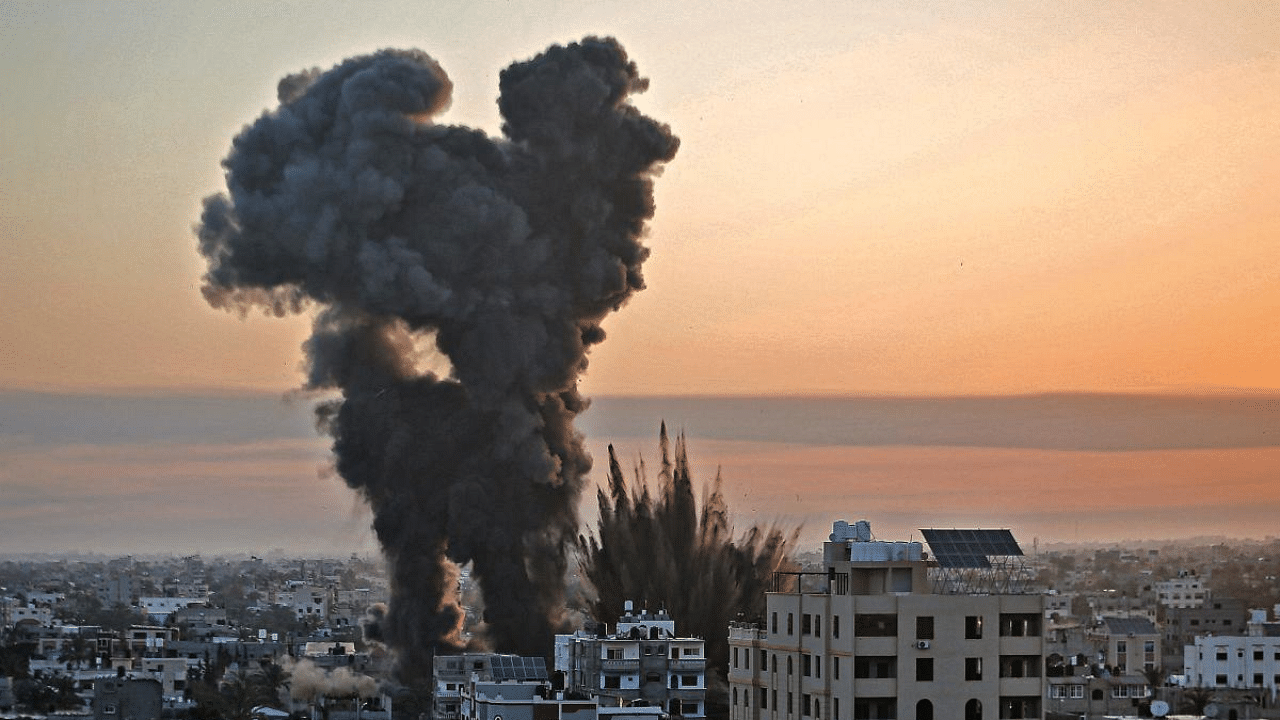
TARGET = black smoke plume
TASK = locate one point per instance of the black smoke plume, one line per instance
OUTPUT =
(665, 552)
(505, 253)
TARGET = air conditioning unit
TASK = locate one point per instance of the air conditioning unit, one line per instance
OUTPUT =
(922, 644)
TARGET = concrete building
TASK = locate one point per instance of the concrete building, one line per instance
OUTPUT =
(1180, 626)
(1249, 661)
(885, 631)
(159, 608)
(641, 662)
(1184, 591)
(306, 601)
(122, 698)
(1128, 645)
(502, 687)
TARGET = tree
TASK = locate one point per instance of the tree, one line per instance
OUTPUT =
(666, 552)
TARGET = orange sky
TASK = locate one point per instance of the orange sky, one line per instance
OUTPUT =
(869, 197)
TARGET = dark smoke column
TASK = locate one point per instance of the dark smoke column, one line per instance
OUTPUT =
(506, 253)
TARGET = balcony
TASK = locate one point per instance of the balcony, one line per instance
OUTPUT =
(745, 632)
(687, 664)
(623, 664)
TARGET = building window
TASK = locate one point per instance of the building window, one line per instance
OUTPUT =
(875, 625)
(790, 669)
(735, 658)
(835, 667)
(835, 708)
(835, 626)
(1018, 666)
(774, 661)
(1020, 624)
(764, 660)
(973, 627)
(875, 707)
(924, 627)
(1222, 654)
(689, 680)
(1020, 707)
(924, 710)
(973, 709)
(791, 624)
(612, 682)
(817, 628)
(804, 704)
(875, 666)
(1220, 680)
(1077, 692)
(973, 668)
(790, 703)
(1122, 647)
(773, 623)
(924, 669)
(764, 698)
(806, 624)
(806, 665)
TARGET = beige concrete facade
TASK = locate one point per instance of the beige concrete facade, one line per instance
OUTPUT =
(871, 640)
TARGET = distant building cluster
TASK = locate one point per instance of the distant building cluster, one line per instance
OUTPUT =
(961, 624)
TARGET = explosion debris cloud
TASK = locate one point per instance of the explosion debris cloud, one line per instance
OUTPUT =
(507, 252)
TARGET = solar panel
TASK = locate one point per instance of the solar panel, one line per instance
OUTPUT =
(514, 667)
(970, 548)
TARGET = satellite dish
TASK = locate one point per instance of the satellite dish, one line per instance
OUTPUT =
(1211, 710)
(1159, 708)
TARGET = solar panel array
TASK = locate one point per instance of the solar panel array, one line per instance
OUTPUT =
(970, 548)
(514, 667)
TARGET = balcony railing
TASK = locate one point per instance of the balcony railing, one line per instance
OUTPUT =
(810, 583)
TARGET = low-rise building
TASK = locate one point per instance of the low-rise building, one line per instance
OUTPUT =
(123, 698)
(642, 662)
(502, 687)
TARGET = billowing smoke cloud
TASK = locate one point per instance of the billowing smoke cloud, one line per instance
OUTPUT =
(310, 682)
(506, 253)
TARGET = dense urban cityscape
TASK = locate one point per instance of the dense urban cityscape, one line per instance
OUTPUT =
(968, 624)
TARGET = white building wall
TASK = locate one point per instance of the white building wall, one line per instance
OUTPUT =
(1234, 662)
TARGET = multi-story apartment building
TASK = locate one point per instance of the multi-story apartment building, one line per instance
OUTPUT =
(1180, 626)
(306, 601)
(1127, 645)
(885, 631)
(642, 660)
(1184, 591)
(1249, 661)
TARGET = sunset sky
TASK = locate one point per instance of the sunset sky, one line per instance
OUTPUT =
(870, 198)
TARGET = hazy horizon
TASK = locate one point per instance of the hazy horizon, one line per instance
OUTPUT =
(248, 472)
